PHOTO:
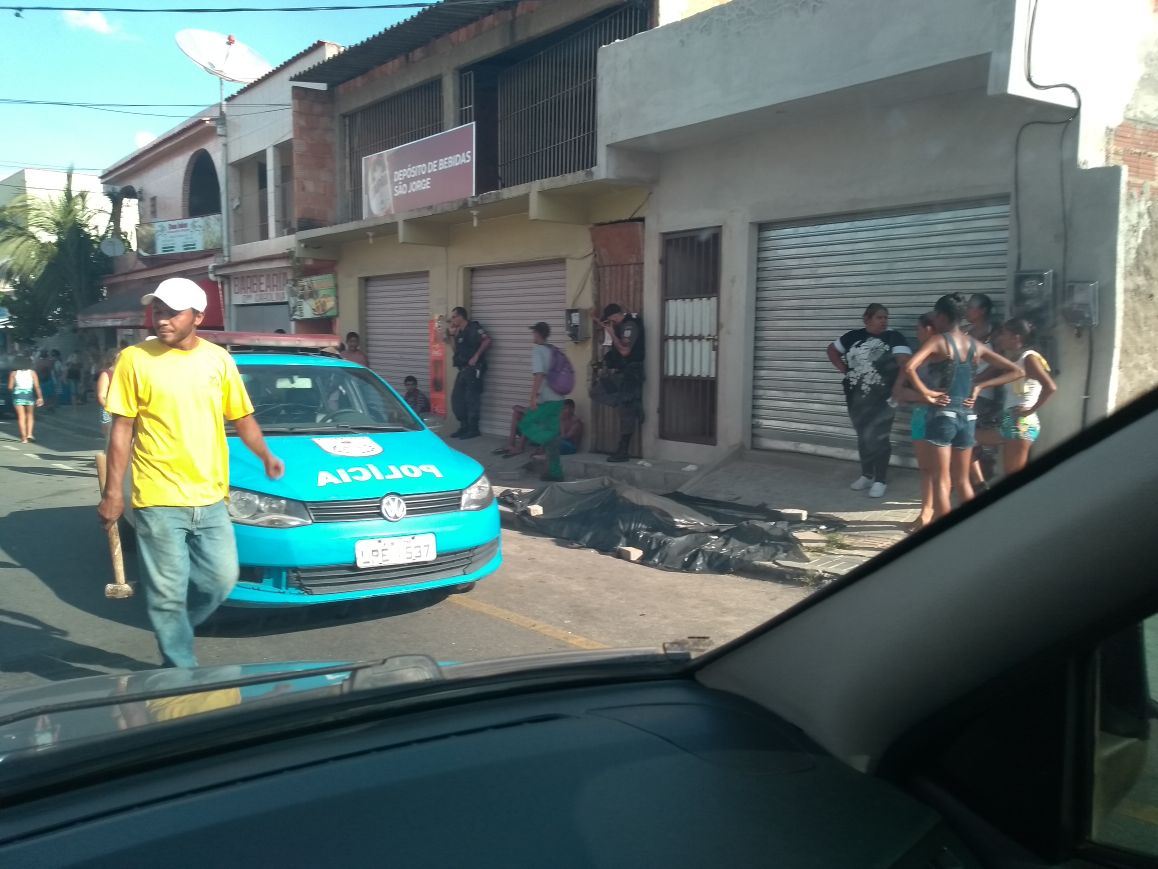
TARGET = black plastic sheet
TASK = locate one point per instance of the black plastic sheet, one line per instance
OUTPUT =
(676, 532)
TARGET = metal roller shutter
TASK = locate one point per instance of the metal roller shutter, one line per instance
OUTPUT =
(506, 300)
(397, 338)
(813, 283)
(261, 318)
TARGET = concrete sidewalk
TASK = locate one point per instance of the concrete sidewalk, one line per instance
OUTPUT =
(779, 480)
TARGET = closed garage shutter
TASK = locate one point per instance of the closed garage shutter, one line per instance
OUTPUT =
(813, 283)
(506, 300)
(397, 336)
(261, 318)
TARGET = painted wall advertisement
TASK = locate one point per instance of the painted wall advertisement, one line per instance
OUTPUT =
(439, 168)
(179, 236)
(261, 288)
(314, 297)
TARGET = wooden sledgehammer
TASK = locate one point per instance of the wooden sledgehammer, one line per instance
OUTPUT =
(118, 589)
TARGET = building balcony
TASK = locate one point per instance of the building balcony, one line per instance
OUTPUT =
(750, 65)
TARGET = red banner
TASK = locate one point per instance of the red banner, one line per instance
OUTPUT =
(437, 369)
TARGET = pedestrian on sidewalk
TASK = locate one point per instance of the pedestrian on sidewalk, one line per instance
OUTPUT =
(353, 349)
(541, 421)
(868, 359)
(58, 378)
(170, 399)
(24, 387)
(990, 404)
(619, 382)
(471, 343)
(951, 419)
(72, 375)
(571, 428)
(1020, 426)
(44, 370)
(926, 460)
(104, 380)
(417, 399)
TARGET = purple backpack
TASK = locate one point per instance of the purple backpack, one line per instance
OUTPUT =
(561, 375)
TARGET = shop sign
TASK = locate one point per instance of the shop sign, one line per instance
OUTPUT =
(439, 168)
(260, 288)
(314, 297)
(179, 236)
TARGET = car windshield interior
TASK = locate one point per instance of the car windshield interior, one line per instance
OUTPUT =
(308, 398)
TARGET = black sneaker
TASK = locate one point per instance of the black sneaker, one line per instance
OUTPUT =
(467, 435)
(458, 433)
(619, 457)
(552, 478)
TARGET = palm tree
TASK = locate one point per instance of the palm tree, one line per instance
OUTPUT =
(50, 254)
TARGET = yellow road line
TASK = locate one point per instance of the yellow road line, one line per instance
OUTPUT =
(563, 636)
(1138, 811)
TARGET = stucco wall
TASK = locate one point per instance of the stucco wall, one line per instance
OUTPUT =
(162, 173)
(954, 148)
(499, 241)
(1134, 144)
(261, 115)
(750, 54)
(1138, 369)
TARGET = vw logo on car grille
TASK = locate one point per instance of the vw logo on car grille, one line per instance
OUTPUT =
(393, 508)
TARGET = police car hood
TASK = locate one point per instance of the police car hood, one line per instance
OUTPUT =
(349, 467)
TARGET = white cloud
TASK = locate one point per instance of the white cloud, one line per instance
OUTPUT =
(143, 138)
(93, 21)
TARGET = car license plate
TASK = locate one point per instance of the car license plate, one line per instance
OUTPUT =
(386, 551)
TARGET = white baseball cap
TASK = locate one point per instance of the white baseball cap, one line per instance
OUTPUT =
(179, 294)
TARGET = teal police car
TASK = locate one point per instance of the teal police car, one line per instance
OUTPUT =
(372, 502)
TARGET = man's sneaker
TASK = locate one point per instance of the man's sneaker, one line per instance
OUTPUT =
(618, 457)
(877, 490)
(470, 433)
(553, 478)
(458, 433)
(861, 484)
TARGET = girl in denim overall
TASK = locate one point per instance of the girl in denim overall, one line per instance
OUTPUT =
(951, 421)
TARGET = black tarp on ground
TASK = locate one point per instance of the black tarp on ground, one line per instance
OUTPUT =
(677, 532)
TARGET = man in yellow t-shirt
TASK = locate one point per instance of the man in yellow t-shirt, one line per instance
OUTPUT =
(169, 398)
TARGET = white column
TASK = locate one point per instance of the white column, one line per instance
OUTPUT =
(273, 190)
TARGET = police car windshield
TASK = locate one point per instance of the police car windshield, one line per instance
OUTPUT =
(310, 398)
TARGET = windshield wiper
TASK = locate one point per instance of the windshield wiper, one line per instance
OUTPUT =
(388, 675)
(397, 670)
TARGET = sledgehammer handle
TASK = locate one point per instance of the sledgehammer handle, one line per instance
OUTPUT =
(113, 531)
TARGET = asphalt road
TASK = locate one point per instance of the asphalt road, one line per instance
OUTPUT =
(55, 622)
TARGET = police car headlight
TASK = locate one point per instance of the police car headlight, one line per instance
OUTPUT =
(478, 495)
(253, 508)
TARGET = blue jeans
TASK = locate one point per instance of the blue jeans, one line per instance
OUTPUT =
(177, 546)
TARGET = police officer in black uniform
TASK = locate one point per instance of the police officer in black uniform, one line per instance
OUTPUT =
(470, 346)
(620, 382)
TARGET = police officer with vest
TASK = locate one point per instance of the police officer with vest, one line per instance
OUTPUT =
(619, 383)
(470, 346)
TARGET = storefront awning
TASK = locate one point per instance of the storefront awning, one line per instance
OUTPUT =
(123, 309)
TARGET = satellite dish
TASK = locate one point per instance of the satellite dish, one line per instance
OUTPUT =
(112, 246)
(223, 56)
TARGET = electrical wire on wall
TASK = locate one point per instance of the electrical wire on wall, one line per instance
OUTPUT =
(1065, 124)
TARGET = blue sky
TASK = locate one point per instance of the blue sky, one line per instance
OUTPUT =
(133, 58)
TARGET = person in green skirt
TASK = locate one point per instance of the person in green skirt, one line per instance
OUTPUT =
(540, 424)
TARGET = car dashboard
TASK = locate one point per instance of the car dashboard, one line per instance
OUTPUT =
(659, 773)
